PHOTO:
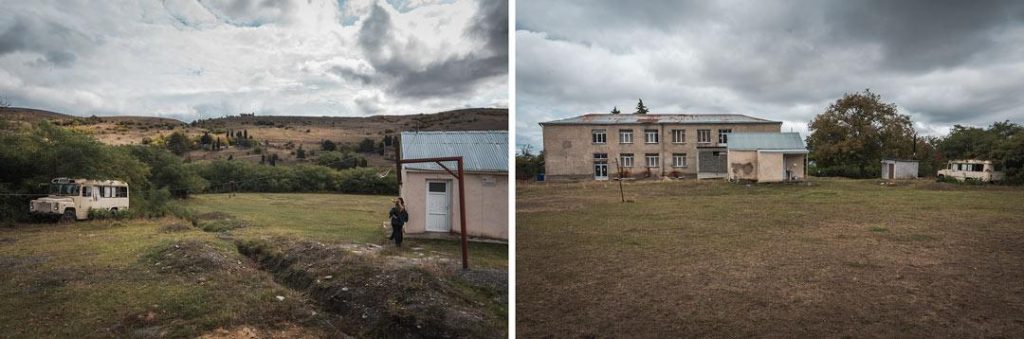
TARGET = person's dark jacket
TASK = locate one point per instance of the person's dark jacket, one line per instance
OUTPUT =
(398, 217)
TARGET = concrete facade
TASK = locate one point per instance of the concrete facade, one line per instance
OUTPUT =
(486, 202)
(571, 153)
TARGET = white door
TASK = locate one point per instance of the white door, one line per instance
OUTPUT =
(439, 206)
(601, 171)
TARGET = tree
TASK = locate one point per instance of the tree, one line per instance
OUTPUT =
(206, 140)
(328, 146)
(852, 136)
(529, 165)
(367, 146)
(178, 143)
(169, 172)
(300, 153)
(640, 108)
(615, 110)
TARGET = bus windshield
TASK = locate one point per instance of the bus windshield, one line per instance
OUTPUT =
(64, 189)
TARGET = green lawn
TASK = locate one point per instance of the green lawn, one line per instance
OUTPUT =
(94, 279)
(333, 218)
(832, 258)
(142, 278)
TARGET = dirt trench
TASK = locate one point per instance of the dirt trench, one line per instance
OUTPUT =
(373, 295)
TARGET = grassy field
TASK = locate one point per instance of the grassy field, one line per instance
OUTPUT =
(333, 218)
(261, 266)
(829, 258)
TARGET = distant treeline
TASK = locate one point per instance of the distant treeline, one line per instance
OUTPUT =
(33, 154)
(853, 135)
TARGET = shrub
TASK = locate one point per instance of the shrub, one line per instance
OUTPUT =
(100, 214)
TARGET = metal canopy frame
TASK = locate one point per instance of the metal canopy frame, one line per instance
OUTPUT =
(458, 174)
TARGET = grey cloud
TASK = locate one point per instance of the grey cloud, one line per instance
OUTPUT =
(250, 12)
(944, 61)
(350, 73)
(921, 35)
(452, 76)
(54, 42)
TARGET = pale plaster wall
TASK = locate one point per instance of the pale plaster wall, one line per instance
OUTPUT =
(769, 167)
(569, 152)
(487, 205)
(742, 165)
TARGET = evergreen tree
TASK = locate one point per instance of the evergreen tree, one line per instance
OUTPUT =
(615, 110)
(640, 108)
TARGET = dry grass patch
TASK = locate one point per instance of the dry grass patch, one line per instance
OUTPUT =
(829, 258)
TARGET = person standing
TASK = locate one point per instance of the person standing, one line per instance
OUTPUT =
(398, 217)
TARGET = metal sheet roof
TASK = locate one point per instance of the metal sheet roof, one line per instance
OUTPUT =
(616, 119)
(766, 141)
(481, 151)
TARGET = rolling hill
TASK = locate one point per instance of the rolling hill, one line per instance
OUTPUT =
(281, 135)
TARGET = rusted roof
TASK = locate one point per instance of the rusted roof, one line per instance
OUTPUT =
(640, 119)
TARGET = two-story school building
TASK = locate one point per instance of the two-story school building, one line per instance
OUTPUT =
(602, 146)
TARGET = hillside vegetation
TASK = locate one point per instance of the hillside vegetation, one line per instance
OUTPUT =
(270, 135)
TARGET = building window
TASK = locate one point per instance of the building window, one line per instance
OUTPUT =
(625, 136)
(679, 160)
(678, 136)
(600, 157)
(598, 136)
(723, 136)
(703, 136)
(652, 160)
(626, 160)
(651, 136)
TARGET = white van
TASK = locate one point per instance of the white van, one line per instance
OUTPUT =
(963, 170)
(71, 199)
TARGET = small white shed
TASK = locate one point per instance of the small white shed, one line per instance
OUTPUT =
(899, 169)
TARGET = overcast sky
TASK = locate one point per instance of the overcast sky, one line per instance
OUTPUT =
(941, 62)
(200, 58)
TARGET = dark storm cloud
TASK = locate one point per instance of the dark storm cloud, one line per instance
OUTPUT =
(411, 77)
(919, 35)
(943, 62)
(52, 41)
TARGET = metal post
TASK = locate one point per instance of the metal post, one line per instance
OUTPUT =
(462, 217)
(398, 157)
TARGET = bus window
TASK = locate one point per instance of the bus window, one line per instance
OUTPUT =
(122, 192)
(86, 191)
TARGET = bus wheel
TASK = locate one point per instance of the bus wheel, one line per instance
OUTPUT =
(68, 216)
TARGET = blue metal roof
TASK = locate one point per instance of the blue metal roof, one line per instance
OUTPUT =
(481, 151)
(618, 119)
(766, 141)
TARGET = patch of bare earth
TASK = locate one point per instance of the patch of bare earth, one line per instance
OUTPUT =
(382, 296)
